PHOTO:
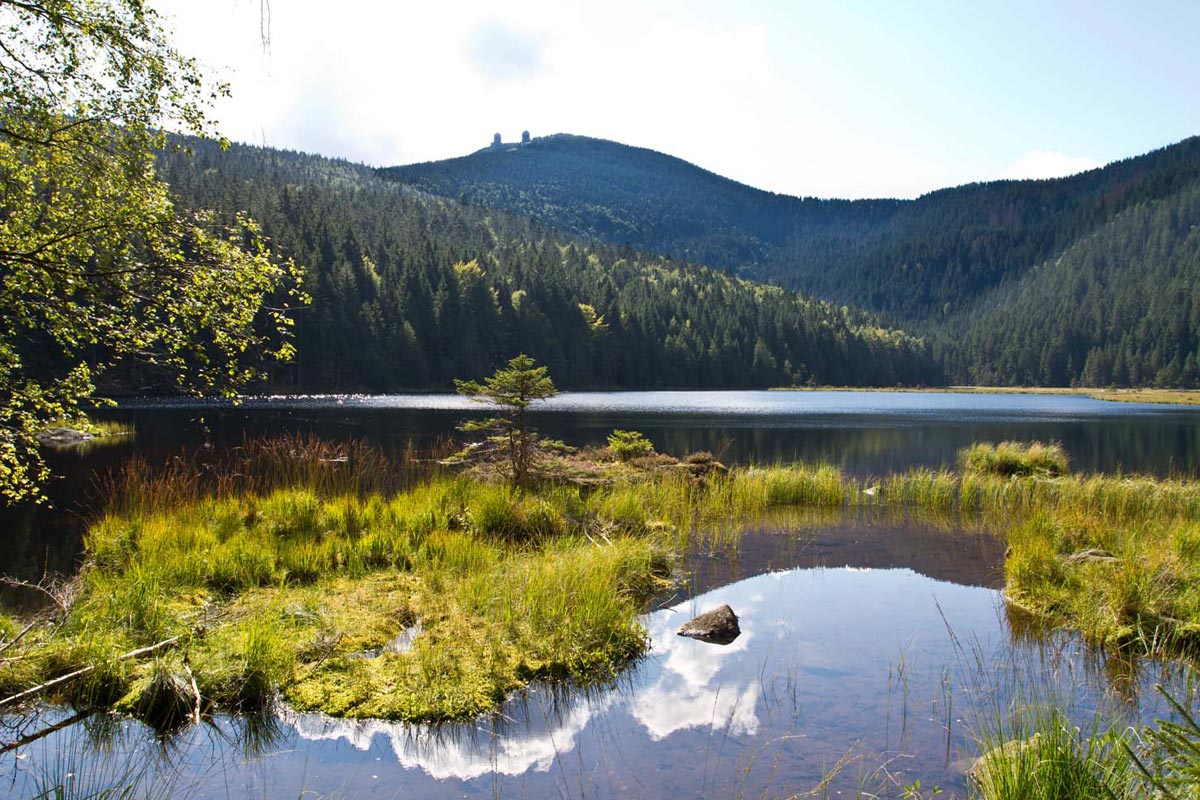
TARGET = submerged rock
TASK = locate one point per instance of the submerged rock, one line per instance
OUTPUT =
(62, 437)
(1016, 765)
(719, 626)
(1092, 556)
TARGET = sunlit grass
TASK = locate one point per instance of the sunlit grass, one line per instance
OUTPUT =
(295, 576)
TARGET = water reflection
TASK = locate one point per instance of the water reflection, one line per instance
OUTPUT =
(865, 433)
(462, 752)
(849, 646)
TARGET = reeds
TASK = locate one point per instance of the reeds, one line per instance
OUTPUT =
(511, 585)
(1038, 753)
(1008, 459)
(262, 465)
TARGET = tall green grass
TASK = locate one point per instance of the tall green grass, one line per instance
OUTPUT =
(1008, 459)
(1034, 748)
(284, 563)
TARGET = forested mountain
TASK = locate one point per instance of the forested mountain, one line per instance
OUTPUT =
(655, 202)
(947, 265)
(1120, 306)
(410, 291)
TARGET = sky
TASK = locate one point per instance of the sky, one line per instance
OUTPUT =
(823, 99)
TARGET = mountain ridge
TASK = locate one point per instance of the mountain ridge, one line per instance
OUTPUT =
(653, 201)
(932, 265)
(411, 291)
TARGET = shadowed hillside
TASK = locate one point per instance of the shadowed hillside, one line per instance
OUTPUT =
(410, 291)
(928, 264)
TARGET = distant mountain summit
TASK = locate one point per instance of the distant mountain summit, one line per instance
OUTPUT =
(938, 265)
(619, 194)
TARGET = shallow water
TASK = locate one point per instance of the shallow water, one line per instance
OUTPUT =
(866, 642)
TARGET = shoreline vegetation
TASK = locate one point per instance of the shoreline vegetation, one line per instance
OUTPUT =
(342, 582)
(82, 432)
(1182, 397)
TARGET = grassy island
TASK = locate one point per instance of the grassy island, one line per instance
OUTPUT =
(434, 601)
(294, 573)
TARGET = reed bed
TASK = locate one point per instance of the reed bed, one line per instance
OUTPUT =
(293, 564)
(1042, 743)
(261, 465)
(1008, 459)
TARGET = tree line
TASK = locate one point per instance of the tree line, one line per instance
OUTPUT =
(410, 291)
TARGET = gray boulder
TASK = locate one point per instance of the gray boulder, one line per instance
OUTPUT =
(62, 437)
(719, 626)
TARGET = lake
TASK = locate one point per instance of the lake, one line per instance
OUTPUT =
(862, 432)
(868, 642)
(868, 646)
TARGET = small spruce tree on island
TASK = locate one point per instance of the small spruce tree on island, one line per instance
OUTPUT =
(511, 442)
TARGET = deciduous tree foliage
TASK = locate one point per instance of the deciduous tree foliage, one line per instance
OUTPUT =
(97, 265)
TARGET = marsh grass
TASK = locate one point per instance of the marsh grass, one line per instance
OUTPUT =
(290, 564)
(301, 592)
(1038, 753)
(260, 466)
(1036, 745)
(1008, 459)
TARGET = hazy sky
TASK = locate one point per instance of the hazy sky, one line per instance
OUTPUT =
(830, 99)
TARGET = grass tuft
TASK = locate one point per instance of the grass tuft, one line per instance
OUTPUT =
(1008, 459)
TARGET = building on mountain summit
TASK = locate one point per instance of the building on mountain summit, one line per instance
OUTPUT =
(497, 142)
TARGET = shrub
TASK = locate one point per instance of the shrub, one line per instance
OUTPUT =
(628, 445)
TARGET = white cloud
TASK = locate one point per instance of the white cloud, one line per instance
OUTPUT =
(1038, 164)
(499, 52)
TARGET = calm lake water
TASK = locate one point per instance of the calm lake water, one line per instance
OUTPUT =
(867, 642)
(863, 432)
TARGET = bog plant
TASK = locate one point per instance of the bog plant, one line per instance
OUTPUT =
(1019, 459)
(628, 445)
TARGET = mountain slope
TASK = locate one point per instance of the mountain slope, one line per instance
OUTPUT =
(1120, 306)
(982, 270)
(618, 194)
(410, 291)
(914, 261)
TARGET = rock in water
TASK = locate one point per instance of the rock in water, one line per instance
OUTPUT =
(719, 626)
(62, 437)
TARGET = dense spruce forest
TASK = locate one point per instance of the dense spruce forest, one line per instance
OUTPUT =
(1119, 306)
(981, 270)
(410, 290)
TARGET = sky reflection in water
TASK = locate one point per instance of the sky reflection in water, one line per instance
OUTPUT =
(846, 650)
